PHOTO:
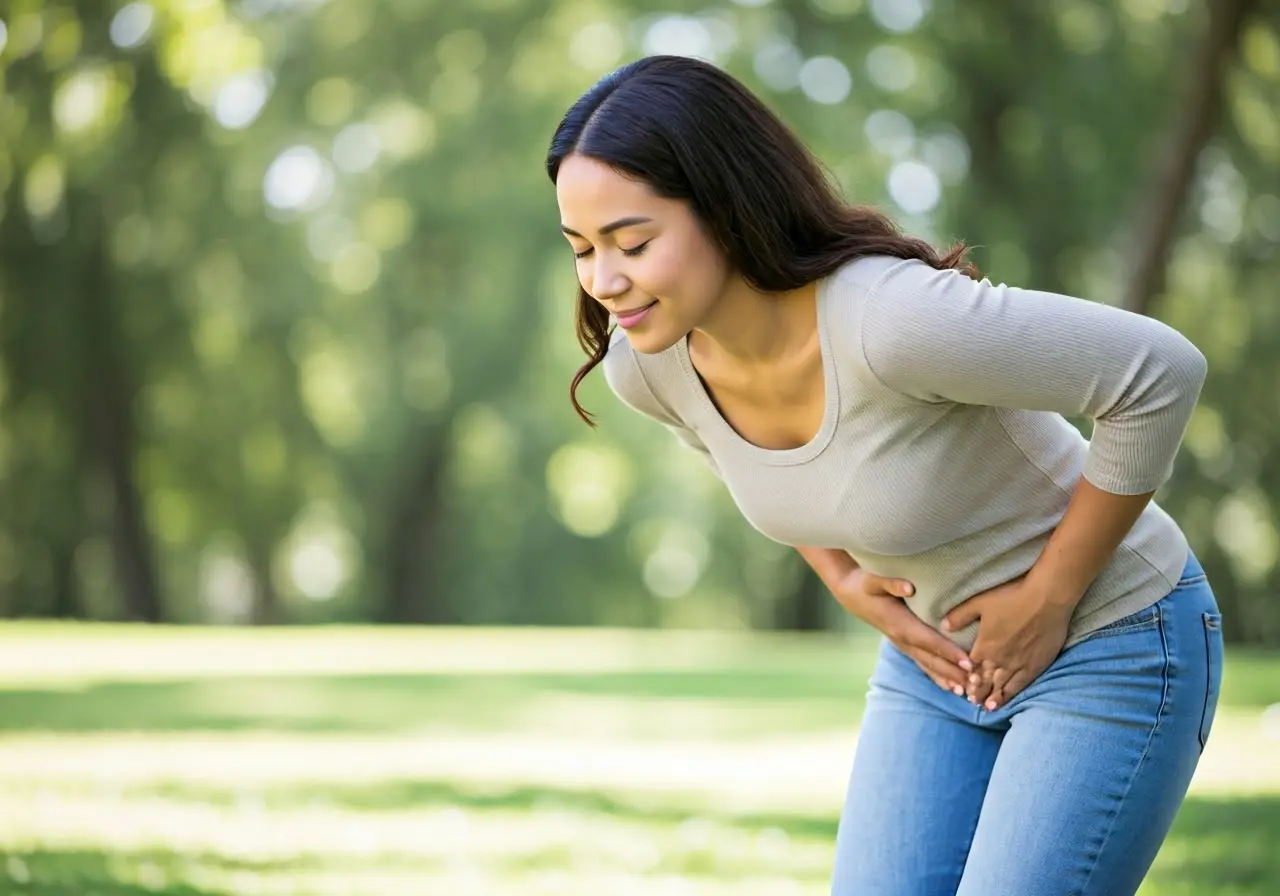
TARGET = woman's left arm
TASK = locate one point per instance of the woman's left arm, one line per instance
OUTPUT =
(1089, 532)
(941, 336)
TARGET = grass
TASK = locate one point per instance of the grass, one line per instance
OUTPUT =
(211, 762)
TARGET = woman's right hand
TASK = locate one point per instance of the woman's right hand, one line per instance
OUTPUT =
(879, 602)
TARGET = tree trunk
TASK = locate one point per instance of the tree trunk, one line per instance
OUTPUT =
(414, 594)
(266, 608)
(66, 602)
(1201, 110)
(1159, 214)
(109, 409)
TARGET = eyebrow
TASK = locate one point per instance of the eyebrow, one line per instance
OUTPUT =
(610, 228)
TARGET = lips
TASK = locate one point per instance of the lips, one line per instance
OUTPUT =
(628, 319)
(632, 312)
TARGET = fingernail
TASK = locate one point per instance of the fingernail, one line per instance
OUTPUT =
(966, 665)
(957, 690)
(991, 705)
(946, 625)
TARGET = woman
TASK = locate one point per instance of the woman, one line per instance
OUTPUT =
(1052, 651)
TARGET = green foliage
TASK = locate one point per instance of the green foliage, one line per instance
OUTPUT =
(285, 319)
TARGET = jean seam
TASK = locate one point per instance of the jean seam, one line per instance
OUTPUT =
(1206, 625)
(1137, 768)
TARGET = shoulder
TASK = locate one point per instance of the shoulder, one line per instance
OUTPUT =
(867, 291)
(885, 284)
(872, 305)
(864, 275)
(640, 381)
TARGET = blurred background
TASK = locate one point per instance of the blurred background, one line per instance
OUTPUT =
(285, 342)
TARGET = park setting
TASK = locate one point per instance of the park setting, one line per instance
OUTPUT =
(369, 761)
(312, 580)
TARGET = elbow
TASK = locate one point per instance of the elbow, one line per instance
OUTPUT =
(1193, 367)
(1202, 365)
(1182, 366)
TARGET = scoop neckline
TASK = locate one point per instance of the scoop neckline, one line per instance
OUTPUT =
(831, 404)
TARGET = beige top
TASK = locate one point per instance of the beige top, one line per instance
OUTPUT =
(943, 457)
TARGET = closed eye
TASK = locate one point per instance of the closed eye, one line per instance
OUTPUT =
(633, 252)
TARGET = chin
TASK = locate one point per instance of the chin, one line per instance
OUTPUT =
(650, 343)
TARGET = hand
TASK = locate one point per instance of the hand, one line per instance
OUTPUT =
(1020, 633)
(878, 602)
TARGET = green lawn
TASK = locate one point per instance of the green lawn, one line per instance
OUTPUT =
(364, 761)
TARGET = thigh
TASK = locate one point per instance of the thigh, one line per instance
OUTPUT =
(919, 773)
(1098, 757)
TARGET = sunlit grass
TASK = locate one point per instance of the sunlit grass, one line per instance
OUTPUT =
(359, 761)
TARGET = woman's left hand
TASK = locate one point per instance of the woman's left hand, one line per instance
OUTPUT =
(1021, 631)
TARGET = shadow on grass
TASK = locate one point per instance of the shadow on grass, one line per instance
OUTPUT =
(388, 703)
(158, 872)
(87, 873)
(409, 702)
(1214, 840)
(1217, 845)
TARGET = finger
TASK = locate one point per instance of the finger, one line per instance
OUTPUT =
(982, 674)
(978, 692)
(948, 676)
(1017, 682)
(940, 682)
(996, 700)
(935, 665)
(979, 687)
(922, 636)
(962, 615)
(891, 587)
(1000, 678)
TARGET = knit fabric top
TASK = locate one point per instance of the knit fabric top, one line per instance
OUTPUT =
(944, 456)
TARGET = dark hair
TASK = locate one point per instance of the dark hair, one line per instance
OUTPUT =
(691, 131)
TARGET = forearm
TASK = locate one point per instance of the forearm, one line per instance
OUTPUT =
(831, 564)
(1092, 528)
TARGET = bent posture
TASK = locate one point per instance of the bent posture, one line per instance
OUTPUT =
(1052, 650)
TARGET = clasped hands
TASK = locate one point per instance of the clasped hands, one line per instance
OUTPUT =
(1021, 630)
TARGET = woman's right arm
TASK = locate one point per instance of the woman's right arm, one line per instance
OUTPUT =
(878, 602)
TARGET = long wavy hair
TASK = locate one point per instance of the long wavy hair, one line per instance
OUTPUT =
(692, 132)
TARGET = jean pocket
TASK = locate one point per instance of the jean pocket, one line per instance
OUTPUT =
(1147, 617)
(1213, 674)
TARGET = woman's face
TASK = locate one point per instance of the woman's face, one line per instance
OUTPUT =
(645, 258)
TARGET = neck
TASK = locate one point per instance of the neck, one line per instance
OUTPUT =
(751, 328)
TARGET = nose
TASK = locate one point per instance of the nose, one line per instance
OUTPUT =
(607, 279)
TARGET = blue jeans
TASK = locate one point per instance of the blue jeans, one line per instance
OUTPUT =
(1067, 790)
